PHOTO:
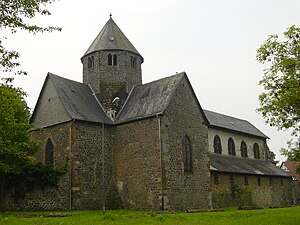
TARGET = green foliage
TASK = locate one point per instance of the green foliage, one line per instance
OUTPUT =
(283, 216)
(280, 102)
(16, 146)
(33, 176)
(292, 152)
(18, 168)
(13, 16)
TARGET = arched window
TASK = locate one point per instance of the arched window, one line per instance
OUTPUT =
(217, 145)
(187, 155)
(133, 62)
(231, 147)
(110, 60)
(49, 152)
(89, 62)
(244, 149)
(92, 61)
(115, 60)
(256, 151)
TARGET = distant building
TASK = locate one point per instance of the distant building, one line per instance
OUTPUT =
(291, 167)
(151, 146)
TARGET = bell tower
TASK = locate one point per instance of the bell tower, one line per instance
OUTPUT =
(112, 66)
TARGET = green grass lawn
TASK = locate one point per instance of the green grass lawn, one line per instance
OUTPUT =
(279, 216)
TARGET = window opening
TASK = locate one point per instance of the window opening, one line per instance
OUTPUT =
(49, 152)
(187, 155)
(244, 149)
(231, 147)
(217, 145)
(110, 60)
(115, 59)
(256, 151)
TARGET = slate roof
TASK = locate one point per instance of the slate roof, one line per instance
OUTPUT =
(149, 99)
(231, 123)
(111, 38)
(234, 164)
(78, 100)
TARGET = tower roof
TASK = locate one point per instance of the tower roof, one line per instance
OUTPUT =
(111, 38)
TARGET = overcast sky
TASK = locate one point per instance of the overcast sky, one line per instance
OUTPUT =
(214, 42)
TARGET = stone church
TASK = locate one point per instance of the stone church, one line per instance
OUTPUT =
(150, 146)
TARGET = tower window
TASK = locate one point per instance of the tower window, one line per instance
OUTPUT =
(91, 62)
(187, 155)
(133, 62)
(115, 59)
(231, 147)
(244, 149)
(217, 145)
(49, 152)
(112, 59)
(256, 151)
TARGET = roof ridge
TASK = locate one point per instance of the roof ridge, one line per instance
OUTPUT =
(233, 123)
(60, 77)
(165, 86)
(226, 115)
(163, 78)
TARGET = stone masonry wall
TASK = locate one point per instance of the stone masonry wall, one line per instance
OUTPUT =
(136, 165)
(51, 198)
(91, 150)
(232, 190)
(183, 190)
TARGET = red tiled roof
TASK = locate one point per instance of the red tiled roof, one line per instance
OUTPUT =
(292, 168)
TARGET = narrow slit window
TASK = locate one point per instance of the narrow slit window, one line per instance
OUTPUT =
(89, 62)
(115, 59)
(110, 59)
(49, 152)
(244, 149)
(231, 147)
(187, 155)
(92, 61)
(256, 151)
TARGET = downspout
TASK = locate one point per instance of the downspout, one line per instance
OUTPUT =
(70, 143)
(102, 149)
(103, 188)
(161, 160)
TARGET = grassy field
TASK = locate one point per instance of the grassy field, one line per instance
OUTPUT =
(282, 216)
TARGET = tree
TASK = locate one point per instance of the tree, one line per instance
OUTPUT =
(18, 167)
(13, 15)
(16, 146)
(280, 102)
